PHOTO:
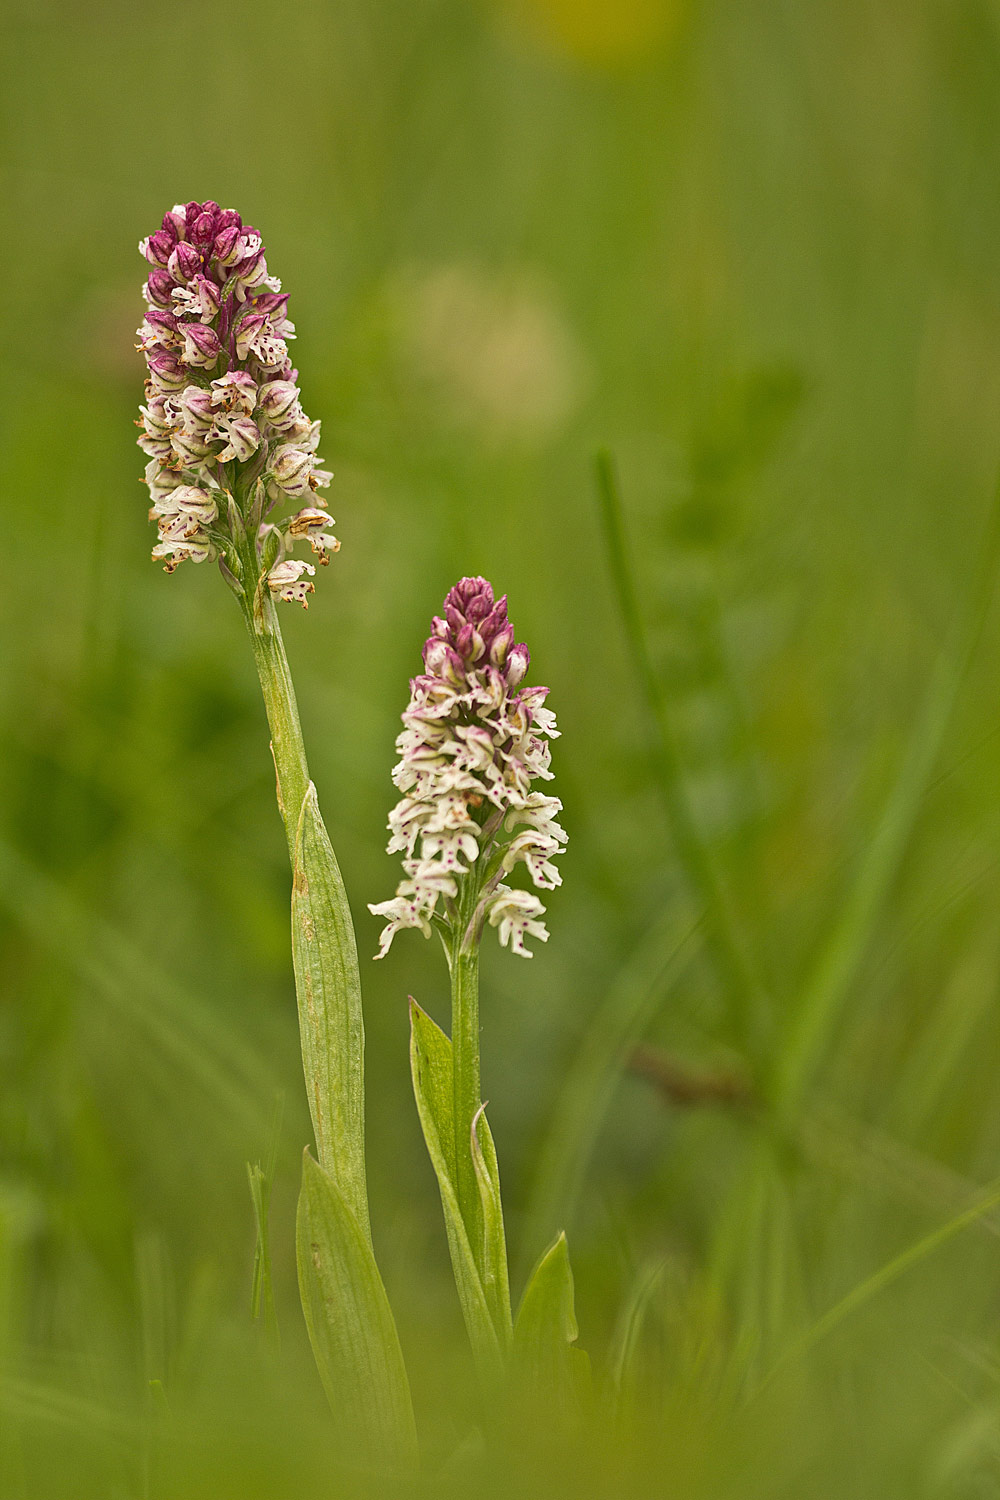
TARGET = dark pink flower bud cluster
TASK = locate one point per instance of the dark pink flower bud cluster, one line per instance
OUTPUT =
(223, 412)
(474, 633)
(473, 741)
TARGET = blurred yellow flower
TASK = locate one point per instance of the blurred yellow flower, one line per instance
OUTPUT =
(602, 32)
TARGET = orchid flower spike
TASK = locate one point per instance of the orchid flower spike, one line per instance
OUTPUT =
(474, 741)
(223, 425)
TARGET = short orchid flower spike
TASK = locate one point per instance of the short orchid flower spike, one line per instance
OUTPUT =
(474, 742)
(223, 427)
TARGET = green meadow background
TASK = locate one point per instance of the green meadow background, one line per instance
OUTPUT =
(752, 249)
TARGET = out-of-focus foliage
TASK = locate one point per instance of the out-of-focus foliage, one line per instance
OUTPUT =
(752, 250)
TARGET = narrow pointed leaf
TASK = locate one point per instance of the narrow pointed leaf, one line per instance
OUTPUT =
(328, 987)
(351, 1326)
(493, 1259)
(546, 1330)
(431, 1064)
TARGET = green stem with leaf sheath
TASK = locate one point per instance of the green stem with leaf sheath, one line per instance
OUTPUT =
(287, 746)
(464, 964)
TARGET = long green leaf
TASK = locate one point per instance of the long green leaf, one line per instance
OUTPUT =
(493, 1261)
(546, 1330)
(331, 1025)
(351, 1326)
(431, 1064)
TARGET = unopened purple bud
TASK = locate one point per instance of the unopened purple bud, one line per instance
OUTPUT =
(469, 643)
(184, 263)
(228, 219)
(494, 622)
(454, 668)
(174, 222)
(196, 409)
(275, 304)
(201, 344)
(159, 285)
(168, 373)
(518, 661)
(501, 644)
(253, 269)
(227, 249)
(479, 607)
(159, 330)
(158, 247)
(202, 231)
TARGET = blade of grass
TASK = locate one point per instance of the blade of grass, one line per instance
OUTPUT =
(828, 986)
(744, 994)
(885, 1276)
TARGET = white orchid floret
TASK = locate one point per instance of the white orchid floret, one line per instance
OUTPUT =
(193, 500)
(235, 391)
(307, 525)
(471, 745)
(290, 581)
(239, 435)
(535, 851)
(278, 404)
(516, 914)
(172, 552)
(290, 470)
(190, 449)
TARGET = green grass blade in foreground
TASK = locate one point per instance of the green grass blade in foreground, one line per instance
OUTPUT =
(431, 1064)
(351, 1327)
(590, 1081)
(827, 989)
(331, 1025)
(546, 1330)
(744, 995)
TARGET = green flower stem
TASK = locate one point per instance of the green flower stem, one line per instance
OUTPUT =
(464, 964)
(287, 746)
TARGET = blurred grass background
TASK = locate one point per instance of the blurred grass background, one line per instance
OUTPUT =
(752, 250)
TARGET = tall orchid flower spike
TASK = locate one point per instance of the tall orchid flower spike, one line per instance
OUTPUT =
(473, 743)
(230, 453)
(229, 445)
